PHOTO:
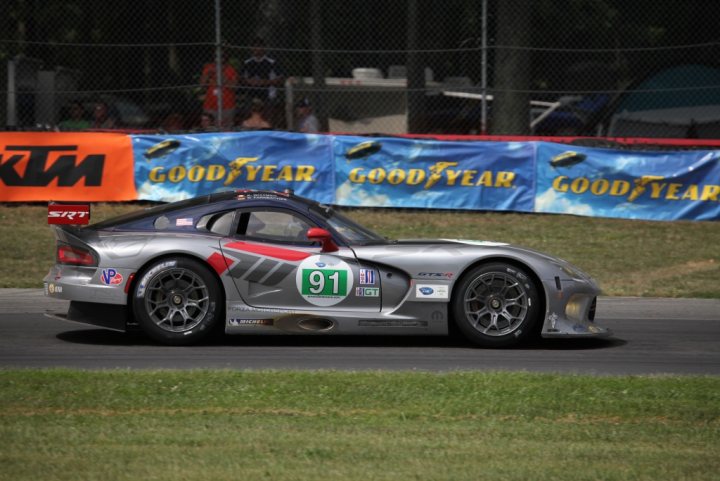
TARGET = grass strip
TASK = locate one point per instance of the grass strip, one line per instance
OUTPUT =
(174, 425)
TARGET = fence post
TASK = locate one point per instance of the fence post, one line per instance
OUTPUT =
(218, 66)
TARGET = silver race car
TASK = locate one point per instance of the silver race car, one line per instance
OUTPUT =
(261, 262)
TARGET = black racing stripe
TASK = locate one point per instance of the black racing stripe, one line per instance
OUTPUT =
(260, 270)
(244, 262)
(280, 274)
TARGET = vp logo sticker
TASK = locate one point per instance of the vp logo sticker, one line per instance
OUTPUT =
(111, 277)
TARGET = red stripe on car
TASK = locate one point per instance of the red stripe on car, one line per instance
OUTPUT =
(267, 251)
(219, 262)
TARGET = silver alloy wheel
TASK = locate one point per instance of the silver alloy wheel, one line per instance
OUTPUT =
(177, 300)
(496, 304)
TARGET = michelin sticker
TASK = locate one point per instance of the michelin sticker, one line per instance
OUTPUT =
(431, 291)
(324, 280)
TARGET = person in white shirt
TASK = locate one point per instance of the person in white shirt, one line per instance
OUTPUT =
(306, 120)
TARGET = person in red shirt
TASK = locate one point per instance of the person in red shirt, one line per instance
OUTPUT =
(229, 80)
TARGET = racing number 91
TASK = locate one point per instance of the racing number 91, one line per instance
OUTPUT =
(326, 283)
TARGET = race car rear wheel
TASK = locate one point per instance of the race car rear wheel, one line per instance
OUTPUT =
(496, 305)
(177, 301)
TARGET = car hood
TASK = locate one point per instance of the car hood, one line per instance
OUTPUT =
(453, 256)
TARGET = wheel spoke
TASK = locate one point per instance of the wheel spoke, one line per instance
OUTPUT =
(495, 303)
(177, 300)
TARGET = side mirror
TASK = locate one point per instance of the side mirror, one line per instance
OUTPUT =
(324, 237)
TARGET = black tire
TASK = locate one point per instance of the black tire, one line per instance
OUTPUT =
(496, 305)
(177, 301)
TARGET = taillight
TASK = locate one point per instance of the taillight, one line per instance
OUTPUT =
(75, 256)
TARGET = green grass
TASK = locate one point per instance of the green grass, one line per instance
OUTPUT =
(170, 425)
(628, 258)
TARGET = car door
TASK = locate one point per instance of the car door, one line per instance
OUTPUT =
(274, 265)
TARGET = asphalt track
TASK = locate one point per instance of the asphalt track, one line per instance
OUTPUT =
(652, 336)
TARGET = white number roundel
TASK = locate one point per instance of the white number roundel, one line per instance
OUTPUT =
(324, 280)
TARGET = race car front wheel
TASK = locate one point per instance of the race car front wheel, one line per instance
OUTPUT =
(177, 301)
(496, 305)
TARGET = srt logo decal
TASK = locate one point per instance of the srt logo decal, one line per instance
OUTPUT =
(37, 172)
(442, 275)
(68, 214)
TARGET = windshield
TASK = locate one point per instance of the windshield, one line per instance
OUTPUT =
(352, 232)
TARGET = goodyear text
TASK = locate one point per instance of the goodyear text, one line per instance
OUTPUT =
(241, 168)
(654, 187)
(439, 173)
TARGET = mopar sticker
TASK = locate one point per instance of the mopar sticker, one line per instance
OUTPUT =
(431, 291)
(324, 286)
(111, 277)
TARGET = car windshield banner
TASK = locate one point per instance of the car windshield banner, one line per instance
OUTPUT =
(66, 167)
(631, 185)
(397, 172)
(175, 167)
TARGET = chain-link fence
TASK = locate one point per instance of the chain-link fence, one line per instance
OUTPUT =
(547, 67)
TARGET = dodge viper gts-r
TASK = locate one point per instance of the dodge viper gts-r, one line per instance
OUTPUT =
(262, 262)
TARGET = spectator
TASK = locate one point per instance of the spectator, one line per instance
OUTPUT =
(257, 120)
(306, 120)
(261, 75)
(76, 120)
(230, 79)
(102, 118)
(207, 122)
(173, 122)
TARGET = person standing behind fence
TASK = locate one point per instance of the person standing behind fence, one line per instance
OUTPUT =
(306, 120)
(256, 120)
(229, 80)
(103, 118)
(261, 75)
(76, 119)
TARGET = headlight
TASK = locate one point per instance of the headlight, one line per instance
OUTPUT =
(572, 272)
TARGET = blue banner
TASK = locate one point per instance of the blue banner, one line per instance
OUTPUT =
(397, 172)
(413, 173)
(631, 185)
(175, 167)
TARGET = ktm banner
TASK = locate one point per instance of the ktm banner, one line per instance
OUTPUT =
(42, 166)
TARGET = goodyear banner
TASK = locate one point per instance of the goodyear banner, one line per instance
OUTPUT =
(40, 166)
(362, 171)
(396, 172)
(178, 167)
(631, 185)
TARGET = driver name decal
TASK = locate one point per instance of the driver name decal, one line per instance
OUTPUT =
(324, 280)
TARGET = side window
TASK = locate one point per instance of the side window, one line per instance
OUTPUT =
(218, 223)
(274, 226)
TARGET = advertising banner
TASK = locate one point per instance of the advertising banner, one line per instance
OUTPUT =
(397, 172)
(175, 167)
(631, 185)
(362, 171)
(41, 166)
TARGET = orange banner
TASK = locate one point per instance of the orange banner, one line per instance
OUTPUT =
(45, 166)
